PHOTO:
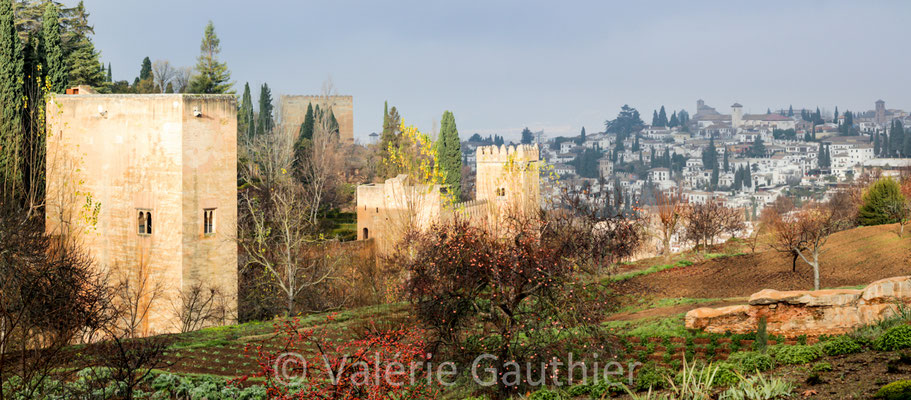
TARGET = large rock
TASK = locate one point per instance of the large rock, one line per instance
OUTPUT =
(811, 313)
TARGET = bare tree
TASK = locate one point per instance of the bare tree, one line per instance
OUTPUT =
(671, 212)
(198, 306)
(321, 162)
(805, 233)
(704, 222)
(181, 80)
(163, 74)
(135, 294)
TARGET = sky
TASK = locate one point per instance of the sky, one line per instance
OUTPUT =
(555, 66)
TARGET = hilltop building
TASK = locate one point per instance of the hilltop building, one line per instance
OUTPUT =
(148, 184)
(507, 180)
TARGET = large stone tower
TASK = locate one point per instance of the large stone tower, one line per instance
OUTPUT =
(508, 177)
(736, 117)
(880, 113)
(294, 109)
(148, 183)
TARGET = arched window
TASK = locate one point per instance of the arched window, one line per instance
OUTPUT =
(501, 192)
(366, 234)
(144, 222)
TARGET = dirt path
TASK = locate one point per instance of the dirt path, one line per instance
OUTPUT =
(673, 310)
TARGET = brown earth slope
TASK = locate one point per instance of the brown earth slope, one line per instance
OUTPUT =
(853, 257)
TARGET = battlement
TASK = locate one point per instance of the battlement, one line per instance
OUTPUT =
(522, 152)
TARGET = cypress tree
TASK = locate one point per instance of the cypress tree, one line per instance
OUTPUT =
(307, 126)
(790, 111)
(651, 159)
(264, 122)
(11, 94)
(906, 147)
(898, 138)
(449, 150)
(212, 76)
(835, 119)
(245, 114)
(748, 176)
(726, 165)
(57, 75)
(876, 146)
(655, 120)
(674, 121)
(662, 117)
(146, 71)
(110, 76)
(582, 134)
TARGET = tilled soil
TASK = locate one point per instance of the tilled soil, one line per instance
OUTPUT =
(855, 257)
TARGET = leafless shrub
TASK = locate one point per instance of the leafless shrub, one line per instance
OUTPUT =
(135, 294)
(200, 305)
(163, 74)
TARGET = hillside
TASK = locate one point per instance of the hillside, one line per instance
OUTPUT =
(850, 258)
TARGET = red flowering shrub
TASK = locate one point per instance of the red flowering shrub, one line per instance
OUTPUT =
(306, 365)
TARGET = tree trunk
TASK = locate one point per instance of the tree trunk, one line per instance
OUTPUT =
(815, 270)
(794, 261)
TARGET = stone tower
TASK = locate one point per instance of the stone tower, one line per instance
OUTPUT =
(294, 109)
(508, 177)
(736, 117)
(148, 183)
(880, 114)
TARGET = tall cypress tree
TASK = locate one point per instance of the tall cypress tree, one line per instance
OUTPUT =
(307, 126)
(449, 150)
(876, 146)
(146, 71)
(212, 76)
(109, 76)
(57, 75)
(662, 117)
(897, 138)
(245, 114)
(726, 165)
(11, 94)
(264, 123)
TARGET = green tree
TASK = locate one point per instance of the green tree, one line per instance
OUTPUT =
(245, 114)
(790, 111)
(662, 117)
(877, 149)
(527, 136)
(582, 135)
(880, 203)
(11, 94)
(727, 166)
(586, 163)
(109, 76)
(758, 148)
(674, 121)
(83, 61)
(264, 122)
(710, 155)
(146, 71)
(626, 123)
(212, 76)
(896, 138)
(449, 151)
(55, 59)
(306, 131)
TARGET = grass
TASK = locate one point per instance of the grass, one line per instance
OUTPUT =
(641, 304)
(650, 327)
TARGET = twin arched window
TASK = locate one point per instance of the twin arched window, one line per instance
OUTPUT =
(145, 222)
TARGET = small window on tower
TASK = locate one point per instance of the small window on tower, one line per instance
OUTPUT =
(208, 221)
(144, 222)
(501, 192)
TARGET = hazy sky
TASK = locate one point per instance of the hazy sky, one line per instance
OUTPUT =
(554, 65)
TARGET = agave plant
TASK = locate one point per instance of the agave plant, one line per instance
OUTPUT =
(695, 383)
(759, 387)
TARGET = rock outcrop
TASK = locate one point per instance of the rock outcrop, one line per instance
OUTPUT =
(811, 313)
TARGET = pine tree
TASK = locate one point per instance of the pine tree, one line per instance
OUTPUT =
(11, 94)
(245, 114)
(57, 74)
(264, 122)
(146, 71)
(449, 151)
(662, 117)
(84, 63)
(880, 203)
(212, 76)
(527, 136)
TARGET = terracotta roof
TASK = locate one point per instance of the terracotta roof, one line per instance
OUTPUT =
(766, 117)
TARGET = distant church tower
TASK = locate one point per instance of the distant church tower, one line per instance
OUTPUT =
(880, 116)
(736, 117)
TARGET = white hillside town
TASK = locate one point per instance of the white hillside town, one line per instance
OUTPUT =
(741, 160)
